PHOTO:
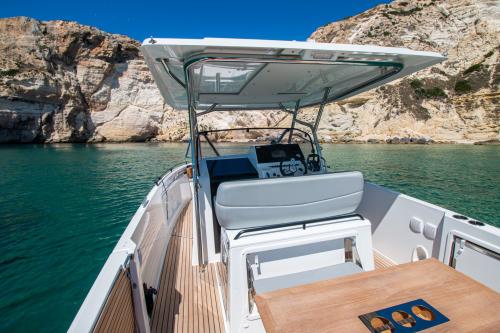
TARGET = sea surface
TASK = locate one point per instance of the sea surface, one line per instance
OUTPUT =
(63, 208)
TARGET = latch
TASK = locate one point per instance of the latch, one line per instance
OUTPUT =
(256, 264)
(459, 251)
(461, 247)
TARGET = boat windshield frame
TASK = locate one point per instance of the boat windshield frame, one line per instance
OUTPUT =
(284, 130)
(194, 112)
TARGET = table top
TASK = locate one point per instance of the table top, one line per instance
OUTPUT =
(334, 305)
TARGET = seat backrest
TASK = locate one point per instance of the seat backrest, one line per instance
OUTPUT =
(266, 202)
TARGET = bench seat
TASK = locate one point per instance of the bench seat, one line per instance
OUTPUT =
(270, 202)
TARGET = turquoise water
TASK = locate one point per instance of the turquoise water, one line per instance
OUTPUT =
(63, 207)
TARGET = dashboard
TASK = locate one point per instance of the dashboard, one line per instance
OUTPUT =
(279, 160)
(263, 161)
(277, 153)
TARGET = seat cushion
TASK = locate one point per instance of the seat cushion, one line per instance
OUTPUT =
(266, 202)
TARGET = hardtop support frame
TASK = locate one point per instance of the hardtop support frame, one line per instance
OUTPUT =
(193, 125)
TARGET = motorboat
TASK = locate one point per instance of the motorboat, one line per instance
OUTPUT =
(263, 236)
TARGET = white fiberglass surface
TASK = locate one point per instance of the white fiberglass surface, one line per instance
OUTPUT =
(242, 83)
(261, 74)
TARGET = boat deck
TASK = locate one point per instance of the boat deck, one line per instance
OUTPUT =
(382, 261)
(187, 299)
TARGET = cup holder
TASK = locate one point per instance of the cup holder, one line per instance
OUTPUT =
(381, 325)
(460, 217)
(413, 316)
(423, 313)
(478, 223)
(404, 319)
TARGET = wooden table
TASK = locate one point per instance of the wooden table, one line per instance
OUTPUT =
(334, 305)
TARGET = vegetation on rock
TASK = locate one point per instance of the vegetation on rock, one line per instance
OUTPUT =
(473, 68)
(462, 87)
(8, 72)
(421, 92)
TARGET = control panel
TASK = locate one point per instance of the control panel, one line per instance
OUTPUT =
(277, 153)
(270, 171)
(280, 160)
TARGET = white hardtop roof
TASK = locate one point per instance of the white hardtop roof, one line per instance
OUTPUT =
(267, 74)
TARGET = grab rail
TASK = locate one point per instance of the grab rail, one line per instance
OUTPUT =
(292, 224)
(175, 167)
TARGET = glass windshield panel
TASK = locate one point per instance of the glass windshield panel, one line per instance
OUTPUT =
(241, 140)
(224, 78)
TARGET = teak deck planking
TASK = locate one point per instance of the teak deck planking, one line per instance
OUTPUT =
(118, 313)
(187, 299)
(381, 261)
(334, 305)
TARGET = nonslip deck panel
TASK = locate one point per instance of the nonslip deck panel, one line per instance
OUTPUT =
(118, 313)
(187, 299)
(381, 261)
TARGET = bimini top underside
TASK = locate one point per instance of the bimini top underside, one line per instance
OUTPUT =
(259, 74)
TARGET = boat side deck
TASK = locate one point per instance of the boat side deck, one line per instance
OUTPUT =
(382, 261)
(187, 299)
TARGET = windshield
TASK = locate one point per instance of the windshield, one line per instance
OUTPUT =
(241, 140)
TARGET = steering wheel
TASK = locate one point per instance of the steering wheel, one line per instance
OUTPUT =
(314, 162)
(294, 166)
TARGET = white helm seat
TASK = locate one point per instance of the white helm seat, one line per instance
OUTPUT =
(269, 202)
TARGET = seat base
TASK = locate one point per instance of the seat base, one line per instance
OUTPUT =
(296, 279)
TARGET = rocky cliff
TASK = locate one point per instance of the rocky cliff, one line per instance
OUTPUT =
(457, 100)
(61, 81)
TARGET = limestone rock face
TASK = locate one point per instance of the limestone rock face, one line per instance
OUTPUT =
(64, 82)
(457, 100)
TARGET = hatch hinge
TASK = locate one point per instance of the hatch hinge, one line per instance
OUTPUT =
(461, 247)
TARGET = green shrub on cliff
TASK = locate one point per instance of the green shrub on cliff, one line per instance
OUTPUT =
(473, 68)
(421, 92)
(8, 72)
(416, 84)
(435, 92)
(462, 87)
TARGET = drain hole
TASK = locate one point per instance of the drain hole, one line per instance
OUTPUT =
(460, 217)
(403, 319)
(474, 222)
(422, 312)
(381, 325)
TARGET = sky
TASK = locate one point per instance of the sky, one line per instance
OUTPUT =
(261, 19)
